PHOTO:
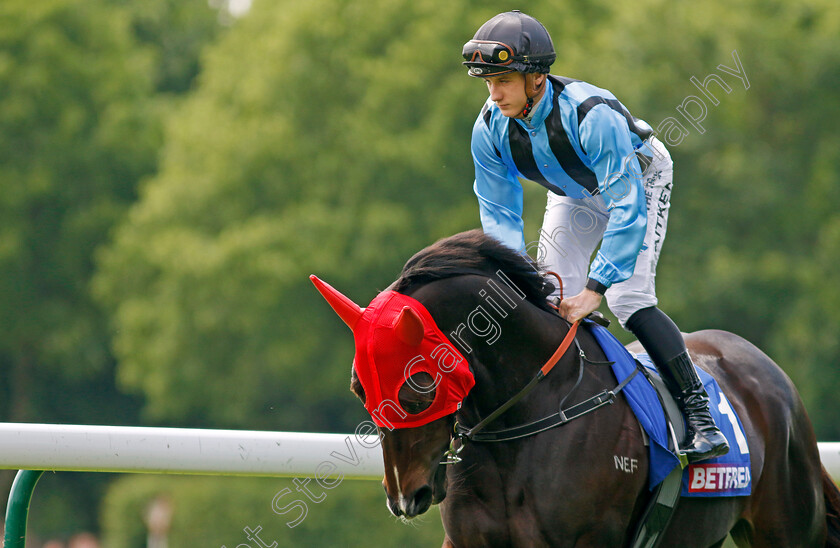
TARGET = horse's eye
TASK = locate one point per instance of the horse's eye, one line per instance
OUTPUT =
(417, 393)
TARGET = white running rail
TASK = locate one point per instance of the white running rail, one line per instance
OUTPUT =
(134, 449)
(84, 448)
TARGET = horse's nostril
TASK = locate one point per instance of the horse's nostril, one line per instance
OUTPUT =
(420, 502)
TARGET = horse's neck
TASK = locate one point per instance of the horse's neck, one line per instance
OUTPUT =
(506, 341)
(501, 371)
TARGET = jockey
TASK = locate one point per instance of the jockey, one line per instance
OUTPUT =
(609, 182)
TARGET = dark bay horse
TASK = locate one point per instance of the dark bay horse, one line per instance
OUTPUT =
(564, 486)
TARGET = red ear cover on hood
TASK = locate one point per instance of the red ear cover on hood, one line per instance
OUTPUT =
(346, 309)
(409, 327)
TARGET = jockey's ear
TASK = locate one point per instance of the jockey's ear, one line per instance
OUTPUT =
(539, 80)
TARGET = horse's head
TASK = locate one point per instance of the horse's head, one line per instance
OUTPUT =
(411, 380)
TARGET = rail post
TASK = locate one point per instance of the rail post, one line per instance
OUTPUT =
(17, 510)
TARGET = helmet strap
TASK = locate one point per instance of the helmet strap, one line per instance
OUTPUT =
(530, 103)
(528, 106)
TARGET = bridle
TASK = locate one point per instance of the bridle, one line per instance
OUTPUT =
(477, 433)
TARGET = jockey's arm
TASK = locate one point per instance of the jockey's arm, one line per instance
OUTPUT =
(605, 138)
(499, 193)
(606, 141)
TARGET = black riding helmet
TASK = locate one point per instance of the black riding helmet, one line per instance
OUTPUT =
(509, 42)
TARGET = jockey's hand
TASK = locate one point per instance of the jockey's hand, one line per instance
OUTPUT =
(580, 306)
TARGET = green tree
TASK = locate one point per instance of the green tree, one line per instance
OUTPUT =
(317, 148)
(216, 511)
(75, 138)
(79, 127)
(174, 34)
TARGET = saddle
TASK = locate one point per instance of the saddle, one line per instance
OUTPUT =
(662, 423)
(662, 505)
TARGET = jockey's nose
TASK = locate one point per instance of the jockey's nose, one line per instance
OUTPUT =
(495, 92)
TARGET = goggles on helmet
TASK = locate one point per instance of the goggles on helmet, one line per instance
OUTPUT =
(485, 51)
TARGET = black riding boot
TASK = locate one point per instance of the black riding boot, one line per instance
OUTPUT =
(664, 343)
(703, 439)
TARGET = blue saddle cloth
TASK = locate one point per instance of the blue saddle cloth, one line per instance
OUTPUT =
(728, 475)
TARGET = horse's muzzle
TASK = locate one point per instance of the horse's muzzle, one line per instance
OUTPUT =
(414, 504)
(418, 502)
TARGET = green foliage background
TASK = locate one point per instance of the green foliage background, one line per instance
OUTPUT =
(352, 514)
(170, 182)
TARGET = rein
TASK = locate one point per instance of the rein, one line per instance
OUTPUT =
(563, 416)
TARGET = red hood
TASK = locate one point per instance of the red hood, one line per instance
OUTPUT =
(396, 337)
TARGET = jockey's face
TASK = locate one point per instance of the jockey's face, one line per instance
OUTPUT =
(508, 91)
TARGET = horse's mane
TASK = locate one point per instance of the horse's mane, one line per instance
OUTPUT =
(473, 252)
